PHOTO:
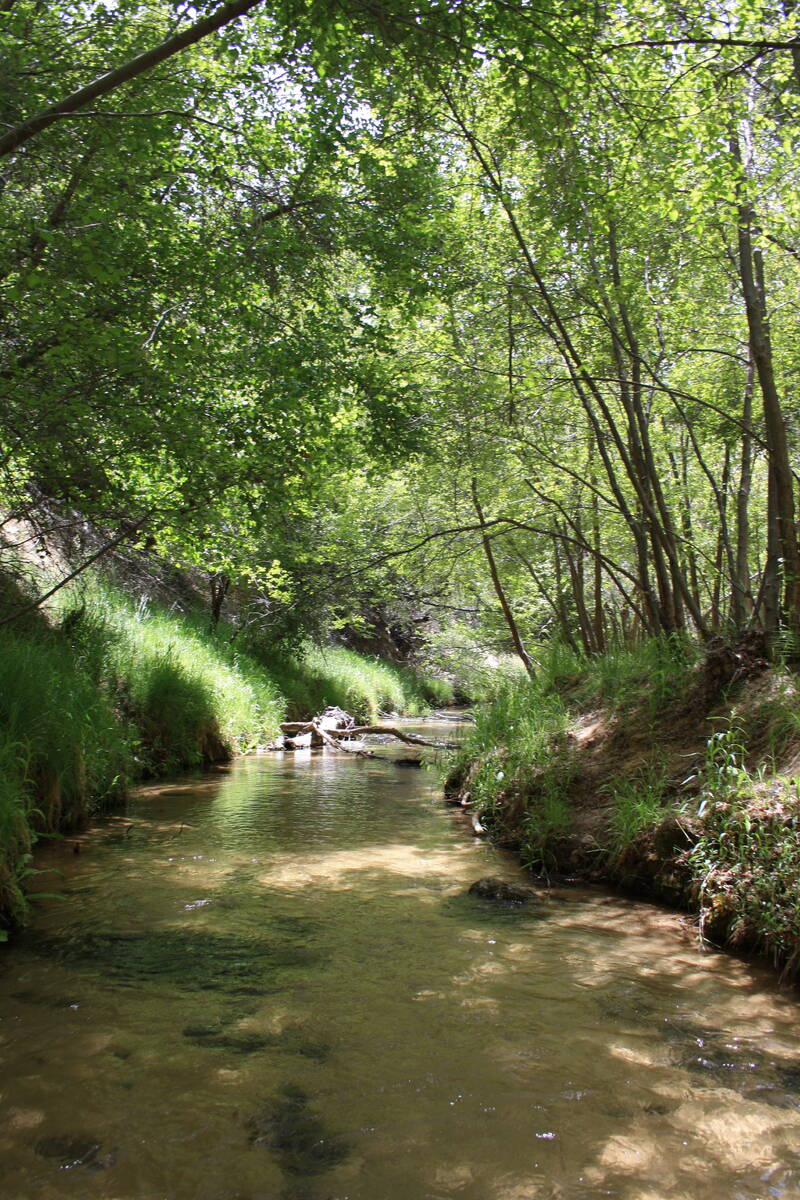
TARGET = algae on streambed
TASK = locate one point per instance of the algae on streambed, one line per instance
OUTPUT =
(179, 958)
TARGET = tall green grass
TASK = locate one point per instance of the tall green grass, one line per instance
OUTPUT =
(63, 750)
(644, 676)
(317, 676)
(368, 687)
(518, 764)
(187, 692)
(110, 691)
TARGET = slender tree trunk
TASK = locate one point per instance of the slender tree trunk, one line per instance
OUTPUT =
(579, 596)
(513, 629)
(219, 584)
(770, 604)
(751, 275)
(562, 608)
(598, 620)
(741, 594)
(719, 555)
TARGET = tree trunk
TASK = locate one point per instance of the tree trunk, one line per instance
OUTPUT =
(751, 275)
(741, 594)
(219, 584)
(498, 586)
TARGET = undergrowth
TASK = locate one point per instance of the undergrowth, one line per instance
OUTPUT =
(517, 751)
(721, 835)
(746, 859)
(365, 687)
(109, 691)
(636, 803)
(646, 676)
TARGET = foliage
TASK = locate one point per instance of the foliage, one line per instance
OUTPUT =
(478, 326)
(746, 860)
(637, 803)
(516, 754)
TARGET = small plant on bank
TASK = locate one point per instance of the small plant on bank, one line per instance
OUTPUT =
(746, 860)
(548, 818)
(637, 803)
(519, 772)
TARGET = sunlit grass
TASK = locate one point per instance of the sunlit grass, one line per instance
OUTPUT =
(517, 759)
(181, 686)
(111, 691)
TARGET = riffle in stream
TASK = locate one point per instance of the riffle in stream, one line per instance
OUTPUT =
(269, 982)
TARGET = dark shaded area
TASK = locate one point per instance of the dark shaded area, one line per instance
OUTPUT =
(72, 1151)
(190, 961)
(296, 1136)
(291, 1041)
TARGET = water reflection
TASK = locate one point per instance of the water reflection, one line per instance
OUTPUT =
(270, 983)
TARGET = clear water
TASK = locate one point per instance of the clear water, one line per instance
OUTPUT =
(270, 982)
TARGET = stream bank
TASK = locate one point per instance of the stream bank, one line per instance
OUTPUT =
(108, 687)
(672, 776)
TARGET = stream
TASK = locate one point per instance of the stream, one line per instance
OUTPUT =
(268, 982)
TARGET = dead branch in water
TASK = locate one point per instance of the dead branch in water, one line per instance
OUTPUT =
(333, 737)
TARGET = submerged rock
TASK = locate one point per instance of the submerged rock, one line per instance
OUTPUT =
(502, 892)
(186, 959)
(289, 1041)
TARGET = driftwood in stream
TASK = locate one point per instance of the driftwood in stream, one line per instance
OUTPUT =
(335, 727)
(412, 739)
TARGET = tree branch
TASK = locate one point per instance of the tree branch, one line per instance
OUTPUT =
(114, 79)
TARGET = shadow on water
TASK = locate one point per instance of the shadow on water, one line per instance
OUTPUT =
(219, 1036)
(299, 1139)
(719, 1060)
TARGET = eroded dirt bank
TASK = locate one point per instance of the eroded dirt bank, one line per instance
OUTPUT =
(694, 802)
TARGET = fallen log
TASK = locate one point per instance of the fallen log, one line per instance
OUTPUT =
(413, 739)
(300, 741)
(294, 728)
(329, 740)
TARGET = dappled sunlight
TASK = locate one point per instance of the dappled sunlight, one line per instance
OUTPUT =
(335, 870)
(299, 940)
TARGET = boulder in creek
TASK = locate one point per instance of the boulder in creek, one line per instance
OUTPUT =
(335, 719)
(502, 892)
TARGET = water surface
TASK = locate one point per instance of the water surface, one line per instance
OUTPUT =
(269, 982)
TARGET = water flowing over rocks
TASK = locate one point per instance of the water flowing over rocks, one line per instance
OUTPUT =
(502, 892)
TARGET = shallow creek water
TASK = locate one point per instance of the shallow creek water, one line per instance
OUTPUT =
(269, 982)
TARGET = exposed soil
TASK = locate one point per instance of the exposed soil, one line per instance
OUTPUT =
(604, 748)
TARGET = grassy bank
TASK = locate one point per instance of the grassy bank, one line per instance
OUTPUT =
(105, 691)
(672, 774)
